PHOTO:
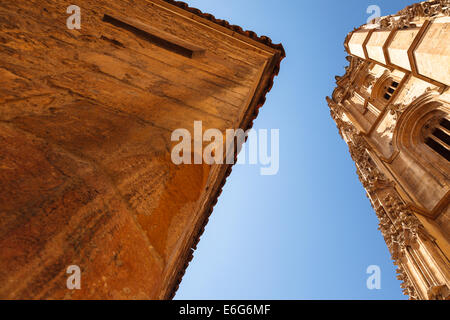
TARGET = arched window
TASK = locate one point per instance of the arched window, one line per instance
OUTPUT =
(421, 137)
(389, 89)
(383, 90)
(437, 136)
(423, 133)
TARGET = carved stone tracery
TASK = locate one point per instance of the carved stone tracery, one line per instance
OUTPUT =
(406, 17)
(398, 225)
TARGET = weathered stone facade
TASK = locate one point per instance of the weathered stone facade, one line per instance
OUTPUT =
(392, 107)
(86, 117)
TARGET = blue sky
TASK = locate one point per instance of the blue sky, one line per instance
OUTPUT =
(309, 231)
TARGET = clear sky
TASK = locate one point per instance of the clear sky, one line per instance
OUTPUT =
(308, 232)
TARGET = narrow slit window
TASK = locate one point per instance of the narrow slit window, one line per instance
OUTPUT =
(157, 37)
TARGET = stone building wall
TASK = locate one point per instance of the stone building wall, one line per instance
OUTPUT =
(392, 107)
(86, 117)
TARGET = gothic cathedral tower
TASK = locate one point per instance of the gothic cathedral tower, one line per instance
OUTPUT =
(392, 108)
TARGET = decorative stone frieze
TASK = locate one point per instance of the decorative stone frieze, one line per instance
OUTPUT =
(406, 17)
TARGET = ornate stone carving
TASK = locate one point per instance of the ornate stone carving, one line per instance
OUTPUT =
(406, 17)
(345, 83)
(396, 109)
(440, 292)
(407, 286)
(369, 80)
(398, 225)
(405, 222)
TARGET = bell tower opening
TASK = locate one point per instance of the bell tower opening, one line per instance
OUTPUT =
(438, 138)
